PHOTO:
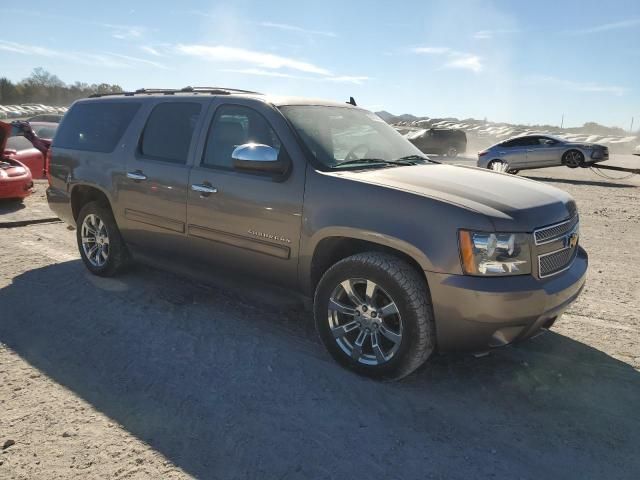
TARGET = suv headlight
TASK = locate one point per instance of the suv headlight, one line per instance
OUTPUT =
(494, 254)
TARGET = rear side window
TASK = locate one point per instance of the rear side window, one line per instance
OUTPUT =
(169, 131)
(95, 126)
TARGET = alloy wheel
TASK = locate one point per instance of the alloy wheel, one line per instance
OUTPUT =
(95, 240)
(573, 159)
(365, 321)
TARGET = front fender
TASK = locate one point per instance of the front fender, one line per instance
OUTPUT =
(421, 227)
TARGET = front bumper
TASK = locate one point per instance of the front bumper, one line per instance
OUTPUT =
(16, 187)
(476, 313)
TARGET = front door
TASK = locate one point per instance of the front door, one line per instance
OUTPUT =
(153, 194)
(544, 152)
(246, 222)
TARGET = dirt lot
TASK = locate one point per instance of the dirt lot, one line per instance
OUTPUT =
(153, 376)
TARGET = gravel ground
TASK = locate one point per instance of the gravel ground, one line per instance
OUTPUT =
(150, 375)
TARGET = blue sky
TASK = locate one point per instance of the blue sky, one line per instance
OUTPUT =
(524, 61)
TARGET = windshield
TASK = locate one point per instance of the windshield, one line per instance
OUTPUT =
(342, 136)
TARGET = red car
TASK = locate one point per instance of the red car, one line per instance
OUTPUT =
(15, 178)
(30, 150)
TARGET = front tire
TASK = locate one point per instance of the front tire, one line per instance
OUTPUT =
(373, 313)
(452, 152)
(573, 159)
(101, 246)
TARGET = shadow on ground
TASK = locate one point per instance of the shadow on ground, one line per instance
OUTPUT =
(10, 206)
(230, 388)
(594, 183)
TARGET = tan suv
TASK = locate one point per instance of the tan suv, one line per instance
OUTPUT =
(402, 255)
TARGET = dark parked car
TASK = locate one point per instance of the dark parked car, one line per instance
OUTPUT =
(401, 254)
(438, 141)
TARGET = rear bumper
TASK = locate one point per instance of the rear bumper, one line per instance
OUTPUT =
(60, 204)
(475, 313)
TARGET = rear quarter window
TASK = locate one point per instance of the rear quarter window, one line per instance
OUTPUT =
(95, 126)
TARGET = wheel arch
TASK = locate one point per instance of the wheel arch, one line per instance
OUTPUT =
(83, 193)
(330, 249)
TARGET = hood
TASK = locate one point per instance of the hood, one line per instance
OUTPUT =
(5, 133)
(512, 203)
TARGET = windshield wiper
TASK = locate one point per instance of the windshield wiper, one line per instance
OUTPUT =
(366, 161)
(415, 157)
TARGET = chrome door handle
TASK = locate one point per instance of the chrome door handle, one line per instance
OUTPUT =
(204, 189)
(530, 150)
(138, 176)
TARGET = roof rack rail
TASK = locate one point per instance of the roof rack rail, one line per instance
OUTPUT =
(173, 91)
(210, 89)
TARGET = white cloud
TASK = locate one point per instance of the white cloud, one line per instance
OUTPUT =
(151, 50)
(348, 79)
(223, 53)
(139, 60)
(591, 87)
(466, 62)
(483, 34)
(357, 80)
(455, 58)
(431, 50)
(125, 32)
(294, 28)
(261, 73)
(110, 60)
(28, 49)
(605, 27)
(488, 34)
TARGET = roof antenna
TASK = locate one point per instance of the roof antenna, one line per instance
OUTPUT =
(352, 101)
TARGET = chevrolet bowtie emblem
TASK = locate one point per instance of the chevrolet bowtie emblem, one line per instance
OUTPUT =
(572, 240)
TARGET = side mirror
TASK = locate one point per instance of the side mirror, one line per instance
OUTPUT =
(255, 157)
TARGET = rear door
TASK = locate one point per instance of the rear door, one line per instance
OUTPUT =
(153, 192)
(514, 152)
(249, 222)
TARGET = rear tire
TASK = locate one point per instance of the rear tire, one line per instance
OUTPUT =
(389, 330)
(101, 246)
(496, 165)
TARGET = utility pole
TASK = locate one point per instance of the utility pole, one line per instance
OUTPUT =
(631, 127)
(562, 121)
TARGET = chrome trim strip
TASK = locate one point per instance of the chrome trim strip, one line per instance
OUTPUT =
(556, 225)
(154, 220)
(239, 241)
(568, 266)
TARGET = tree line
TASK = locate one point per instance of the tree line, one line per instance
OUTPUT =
(46, 88)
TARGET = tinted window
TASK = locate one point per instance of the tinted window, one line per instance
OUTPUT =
(232, 126)
(95, 126)
(169, 131)
(520, 142)
(546, 141)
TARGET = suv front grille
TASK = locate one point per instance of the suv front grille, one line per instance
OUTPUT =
(557, 246)
(554, 232)
(555, 262)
